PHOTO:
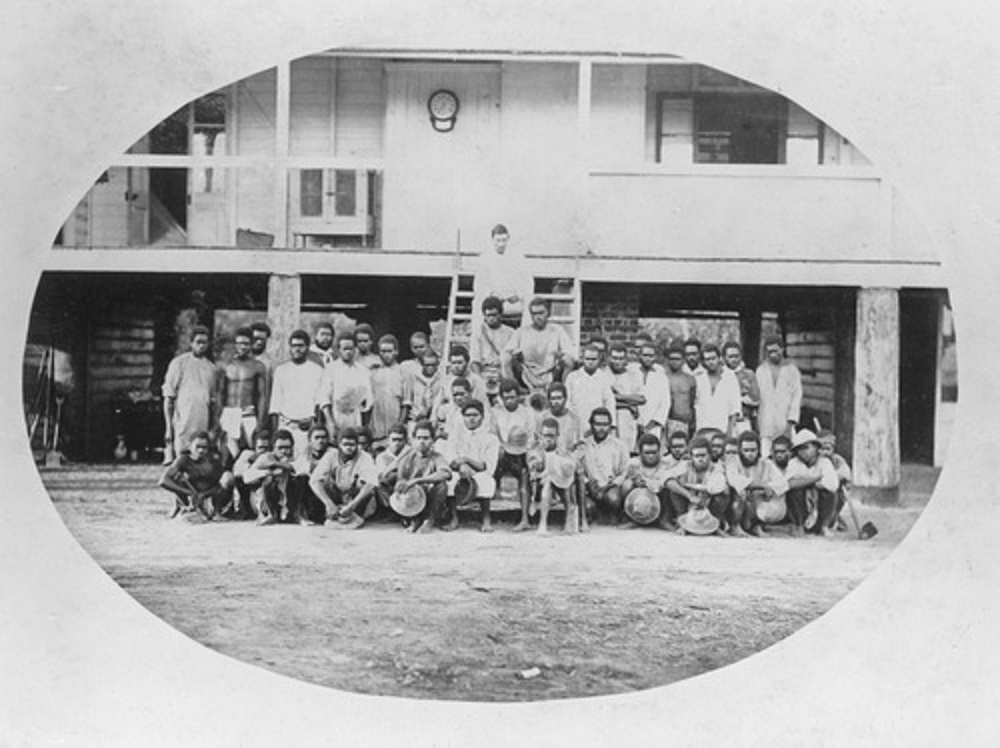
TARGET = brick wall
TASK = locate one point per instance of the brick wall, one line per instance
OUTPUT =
(610, 311)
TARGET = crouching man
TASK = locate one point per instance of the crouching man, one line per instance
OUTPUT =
(424, 466)
(605, 459)
(554, 471)
(812, 486)
(273, 499)
(758, 488)
(473, 453)
(649, 471)
(697, 482)
(345, 480)
(198, 480)
(243, 505)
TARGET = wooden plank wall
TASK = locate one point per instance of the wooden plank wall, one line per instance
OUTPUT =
(810, 344)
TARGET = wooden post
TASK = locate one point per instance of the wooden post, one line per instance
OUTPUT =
(284, 300)
(876, 395)
(750, 334)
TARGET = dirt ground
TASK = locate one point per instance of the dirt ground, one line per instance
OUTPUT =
(466, 615)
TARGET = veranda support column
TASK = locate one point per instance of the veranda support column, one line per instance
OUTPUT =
(284, 299)
(876, 395)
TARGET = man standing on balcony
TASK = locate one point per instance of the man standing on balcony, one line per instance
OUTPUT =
(780, 394)
(539, 353)
(190, 395)
(295, 392)
(502, 272)
(348, 390)
(244, 381)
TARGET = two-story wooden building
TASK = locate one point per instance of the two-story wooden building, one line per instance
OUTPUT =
(365, 181)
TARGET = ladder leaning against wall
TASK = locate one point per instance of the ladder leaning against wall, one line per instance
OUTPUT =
(562, 293)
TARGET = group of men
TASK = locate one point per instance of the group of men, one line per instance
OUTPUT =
(344, 431)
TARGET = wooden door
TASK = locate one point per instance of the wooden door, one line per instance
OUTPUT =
(441, 185)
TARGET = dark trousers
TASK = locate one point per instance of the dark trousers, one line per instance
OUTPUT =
(718, 504)
(797, 500)
(437, 511)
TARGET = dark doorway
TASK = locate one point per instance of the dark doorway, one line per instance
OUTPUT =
(918, 338)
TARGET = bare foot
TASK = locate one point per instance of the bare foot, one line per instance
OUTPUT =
(521, 526)
(681, 531)
(452, 524)
(266, 520)
(412, 527)
(757, 531)
(737, 532)
(487, 527)
(543, 530)
(627, 525)
(425, 528)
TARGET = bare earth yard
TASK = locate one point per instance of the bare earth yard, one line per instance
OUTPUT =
(464, 615)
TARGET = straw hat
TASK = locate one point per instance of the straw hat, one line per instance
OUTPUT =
(517, 441)
(561, 470)
(698, 522)
(409, 503)
(642, 506)
(805, 436)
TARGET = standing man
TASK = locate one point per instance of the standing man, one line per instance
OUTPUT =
(626, 386)
(570, 430)
(260, 334)
(488, 340)
(364, 339)
(321, 350)
(296, 391)
(190, 395)
(418, 344)
(655, 387)
(589, 388)
(503, 273)
(683, 391)
(692, 356)
(387, 391)
(717, 402)
(422, 389)
(605, 460)
(780, 386)
(347, 401)
(458, 368)
(732, 355)
(244, 385)
(539, 353)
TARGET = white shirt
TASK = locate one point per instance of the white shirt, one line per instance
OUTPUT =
(296, 389)
(712, 407)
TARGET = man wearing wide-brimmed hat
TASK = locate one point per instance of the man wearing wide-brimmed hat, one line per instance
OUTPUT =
(758, 488)
(648, 472)
(698, 483)
(812, 482)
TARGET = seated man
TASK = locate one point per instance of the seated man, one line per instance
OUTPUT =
(274, 500)
(604, 461)
(310, 505)
(698, 482)
(827, 449)
(426, 467)
(554, 470)
(197, 479)
(422, 389)
(387, 463)
(514, 425)
(758, 489)
(812, 485)
(243, 490)
(450, 418)
(649, 471)
(472, 454)
(488, 342)
(676, 449)
(345, 481)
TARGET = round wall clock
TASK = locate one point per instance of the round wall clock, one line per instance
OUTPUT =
(443, 108)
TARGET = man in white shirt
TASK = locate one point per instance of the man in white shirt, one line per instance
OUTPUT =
(758, 488)
(295, 392)
(780, 386)
(321, 351)
(717, 399)
(626, 387)
(698, 482)
(655, 388)
(502, 272)
(812, 484)
(589, 388)
(347, 398)
(345, 479)
(472, 453)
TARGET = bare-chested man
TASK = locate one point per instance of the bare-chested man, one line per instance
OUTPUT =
(244, 394)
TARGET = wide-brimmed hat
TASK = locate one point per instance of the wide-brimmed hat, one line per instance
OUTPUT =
(642, 506)
(409, 503)
(561, 469)
(698, 522)
(517, 441)
(803, 437)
